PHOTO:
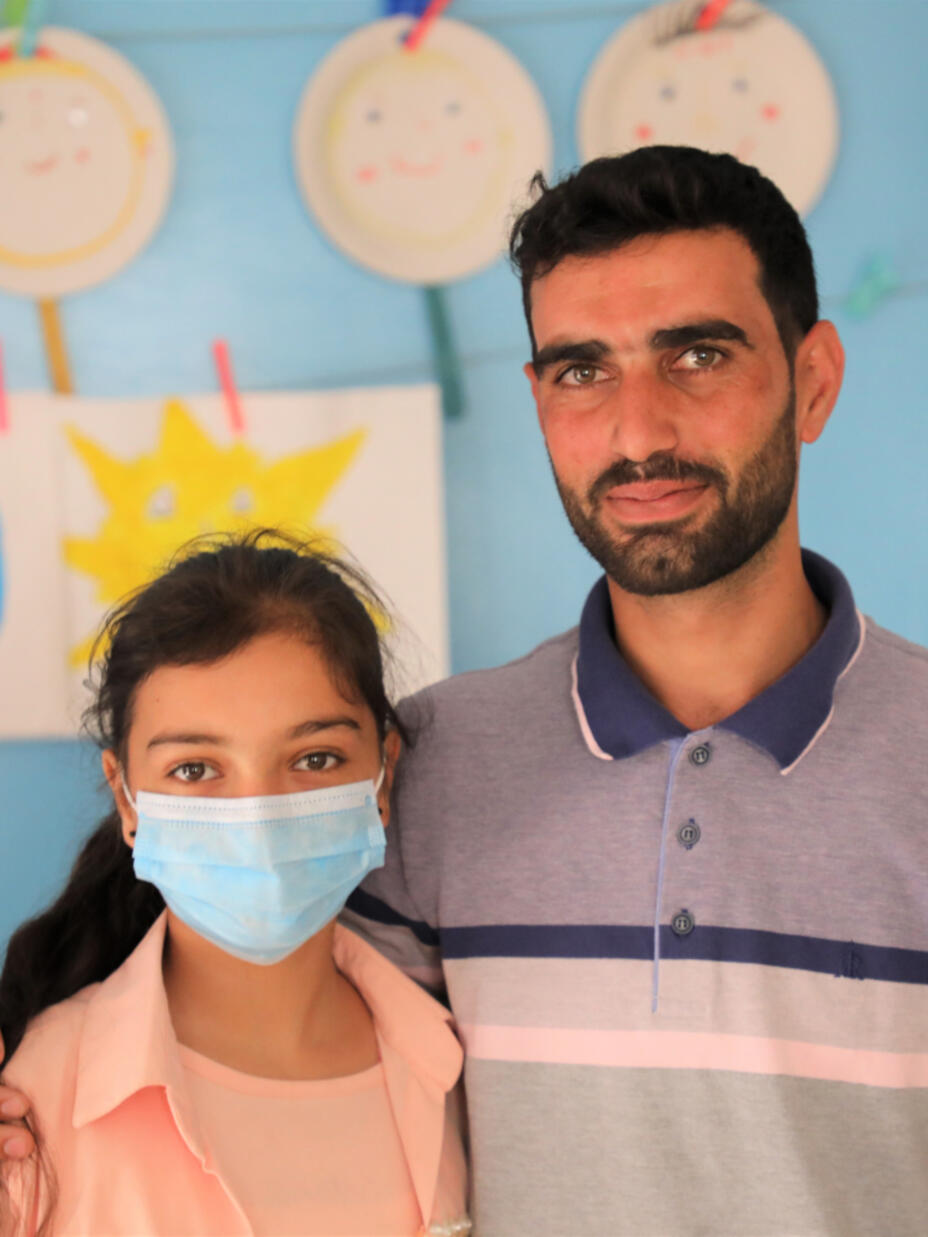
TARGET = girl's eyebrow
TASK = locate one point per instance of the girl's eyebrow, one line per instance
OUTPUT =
(312, 726)
(159, 739)
(323, 723)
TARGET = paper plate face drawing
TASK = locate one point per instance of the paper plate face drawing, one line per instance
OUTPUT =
(86, 163)
(411, 160)
(752, 86)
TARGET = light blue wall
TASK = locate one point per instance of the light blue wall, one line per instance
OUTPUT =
(239, 257)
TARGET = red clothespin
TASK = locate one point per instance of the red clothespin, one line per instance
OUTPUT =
(4, 406)
(432, 11)
(710, 13)
(229, 389)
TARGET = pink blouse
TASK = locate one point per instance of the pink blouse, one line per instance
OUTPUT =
(146, 1138)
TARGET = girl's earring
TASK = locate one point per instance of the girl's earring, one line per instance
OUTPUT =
(132, 833)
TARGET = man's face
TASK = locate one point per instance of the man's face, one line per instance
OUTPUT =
(668, 407)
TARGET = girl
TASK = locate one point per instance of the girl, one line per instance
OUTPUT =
(206, 1051)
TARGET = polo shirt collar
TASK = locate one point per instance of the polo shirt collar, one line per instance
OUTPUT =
(620, 717)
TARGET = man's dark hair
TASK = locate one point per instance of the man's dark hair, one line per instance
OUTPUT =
(661, 189)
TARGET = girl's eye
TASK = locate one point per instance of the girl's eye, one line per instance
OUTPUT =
(318, 762)
(193, 771)
(579, 375)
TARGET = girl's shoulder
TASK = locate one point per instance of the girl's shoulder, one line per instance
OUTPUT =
(46, 1058)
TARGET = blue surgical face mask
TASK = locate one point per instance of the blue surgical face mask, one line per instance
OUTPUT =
(259, 876)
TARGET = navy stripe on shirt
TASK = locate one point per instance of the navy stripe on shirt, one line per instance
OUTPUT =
(372, 908)
(844, 959)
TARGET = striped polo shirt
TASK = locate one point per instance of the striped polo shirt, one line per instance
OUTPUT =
(690, 969)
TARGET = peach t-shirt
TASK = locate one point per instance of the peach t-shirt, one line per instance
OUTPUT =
(314, 1159)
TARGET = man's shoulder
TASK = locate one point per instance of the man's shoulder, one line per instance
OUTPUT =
(545, 662)
(899, 650)
(482, 695)
(899, 664)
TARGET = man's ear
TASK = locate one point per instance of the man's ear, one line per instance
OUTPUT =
(392, 746)
(113, 775)
(819, 369)
(529, 370)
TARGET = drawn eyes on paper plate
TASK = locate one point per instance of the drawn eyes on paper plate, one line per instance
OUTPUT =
(44, 131)
(420, 146)
(63, 140)
(732, 116)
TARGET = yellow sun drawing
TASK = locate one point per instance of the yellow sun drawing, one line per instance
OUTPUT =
(186, 486)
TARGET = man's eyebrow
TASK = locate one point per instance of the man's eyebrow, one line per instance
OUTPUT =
(581, 351)
(695, 332)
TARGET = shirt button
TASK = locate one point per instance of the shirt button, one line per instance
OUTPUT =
(682, 923)
(689, 834)
(700, 755)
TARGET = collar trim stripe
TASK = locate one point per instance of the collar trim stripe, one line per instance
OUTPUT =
(585, 730)
(831, 712)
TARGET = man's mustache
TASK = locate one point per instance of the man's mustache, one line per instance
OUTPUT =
(657, 467)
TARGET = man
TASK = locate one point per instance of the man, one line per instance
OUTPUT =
(671, 865)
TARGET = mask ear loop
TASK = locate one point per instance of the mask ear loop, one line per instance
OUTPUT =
(377, 785)
(131, 801)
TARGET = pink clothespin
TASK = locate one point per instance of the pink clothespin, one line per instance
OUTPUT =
(710, 13)
(229, 389)
(4, 406)
(432, 11)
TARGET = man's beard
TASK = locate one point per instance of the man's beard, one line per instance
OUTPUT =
(656, 559)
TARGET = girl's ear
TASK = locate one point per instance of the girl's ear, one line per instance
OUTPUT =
(111, 771)
(392, 746)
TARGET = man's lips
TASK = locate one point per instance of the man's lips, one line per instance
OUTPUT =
(647, 501)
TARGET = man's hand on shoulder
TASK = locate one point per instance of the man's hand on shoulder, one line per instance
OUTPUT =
(15, 1140)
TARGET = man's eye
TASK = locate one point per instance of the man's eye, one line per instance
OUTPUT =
(580, 375)
(318, 762)
(701, 357)
(193, 771)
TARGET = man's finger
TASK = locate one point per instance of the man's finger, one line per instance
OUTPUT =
(11, 1104)
(15, 1142)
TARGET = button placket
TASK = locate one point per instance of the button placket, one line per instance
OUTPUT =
(689, 834)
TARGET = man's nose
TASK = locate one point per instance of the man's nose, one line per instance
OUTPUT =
(642, 415)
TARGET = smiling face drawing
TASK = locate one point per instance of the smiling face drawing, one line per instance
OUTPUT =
(65, 137)
(417, 148)
(751, 86)
(85, 170)
(410, 160)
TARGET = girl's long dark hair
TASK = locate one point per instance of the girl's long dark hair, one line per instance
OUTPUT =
(219, 594)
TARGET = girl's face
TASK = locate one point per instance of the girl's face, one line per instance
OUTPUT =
(266, 720)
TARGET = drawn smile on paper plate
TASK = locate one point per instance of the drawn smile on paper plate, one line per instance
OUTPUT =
(404, 122)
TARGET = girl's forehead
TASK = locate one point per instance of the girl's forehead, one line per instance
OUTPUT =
(275, 680)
